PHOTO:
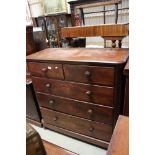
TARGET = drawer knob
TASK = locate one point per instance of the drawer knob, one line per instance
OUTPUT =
(55, 118)
(44, 69)
(87, 73)
(90, 111)
(91, 129)
(88, 92)
(48, 85)
(51, 102)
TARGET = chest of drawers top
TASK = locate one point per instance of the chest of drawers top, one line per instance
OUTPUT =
(81, 55)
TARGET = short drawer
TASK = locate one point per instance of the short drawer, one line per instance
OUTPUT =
(72, 123)
(46, 70)
(85, 92)
(76, 108)
(90, 74)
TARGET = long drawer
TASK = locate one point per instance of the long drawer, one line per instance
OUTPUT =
(46, 70)
(89, 74)
(77, 108)
(85, 92)
(89, 128)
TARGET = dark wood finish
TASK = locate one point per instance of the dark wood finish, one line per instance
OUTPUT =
(79, 136)
(32, 108)
(82, 126)
(119, 144)
(126, 100)
(86, 92)
(52, 149)
(30, 44)
(39, 40)
(46, 70)
(34, 145)
(80, 103)
(86, 110)
(31, 121)
(89, 74)
(81, 55)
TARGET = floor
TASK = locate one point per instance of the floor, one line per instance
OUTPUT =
(69, 143)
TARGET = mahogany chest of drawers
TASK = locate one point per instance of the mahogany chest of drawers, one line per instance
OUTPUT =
(79, 90)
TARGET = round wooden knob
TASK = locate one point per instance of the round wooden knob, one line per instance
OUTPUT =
(55, 118)
(91, 129)
(87, 73)
(48, 85)
(90, 111)
(88, 92)
(44, 69)
(51, 102)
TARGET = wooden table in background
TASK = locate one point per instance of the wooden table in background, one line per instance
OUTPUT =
(119, 144)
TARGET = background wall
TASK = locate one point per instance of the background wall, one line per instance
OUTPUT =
(97, 18)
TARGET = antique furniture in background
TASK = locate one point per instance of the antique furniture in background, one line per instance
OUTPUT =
(33, 114)
(52, 25)
(77, 6)
(119, 144)
(34, 144)
(30, 45)
(111, 32)
(126, 100)
(79, 90)
(39, 39)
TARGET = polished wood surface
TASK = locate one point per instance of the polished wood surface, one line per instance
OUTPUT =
(90, 74)
(83, 126)
(126, 100)
(85, 138)
(106, 30)
(88, 100)
(81, 109)
(89, 55)
(119, 144)
(46, 70)
(52, 149)
(86, 92)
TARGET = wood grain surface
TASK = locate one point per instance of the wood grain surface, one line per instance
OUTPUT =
(119, 144)
(98, 55)
(106, 30)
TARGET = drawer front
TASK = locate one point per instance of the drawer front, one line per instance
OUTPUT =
(89, 128)
(97, 94)
(90, 74)
(46, 70)
(77, 108)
